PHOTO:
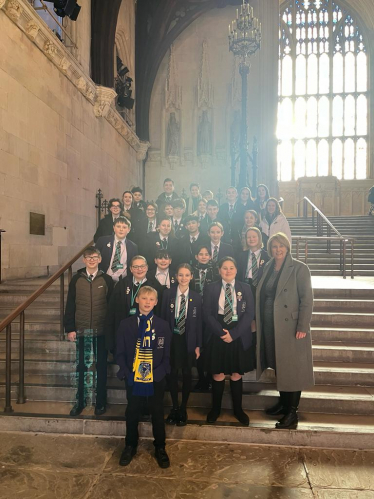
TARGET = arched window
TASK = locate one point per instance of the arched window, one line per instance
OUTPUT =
(323, 92)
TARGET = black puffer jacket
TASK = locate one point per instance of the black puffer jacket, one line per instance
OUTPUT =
(87, 301)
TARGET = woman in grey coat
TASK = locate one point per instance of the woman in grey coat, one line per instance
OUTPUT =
(284, 305)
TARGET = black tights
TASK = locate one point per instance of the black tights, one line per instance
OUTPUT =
(186, 386)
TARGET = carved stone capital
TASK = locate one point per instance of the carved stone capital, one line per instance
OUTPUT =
(2, 3)
(64, 65)
(104, 99)
(14, 10)
(50, 49)
(142, 150)
(32, 30)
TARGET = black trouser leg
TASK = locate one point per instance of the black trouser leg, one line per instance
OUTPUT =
(172, 380)
(101, 369)
(156, 407)
(186, 387)
(133, 413)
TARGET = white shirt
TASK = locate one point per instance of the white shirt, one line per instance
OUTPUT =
(94, 274)
(178, 302)
(221, 301)
(176, 221)
(163, 277)
(135, 281)
(196, 236)
(248, 273)
(120, 272)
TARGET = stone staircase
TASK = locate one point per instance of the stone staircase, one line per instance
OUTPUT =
(341, 401)
(322, 263)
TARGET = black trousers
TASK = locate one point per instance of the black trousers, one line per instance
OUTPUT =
(84, 362)
(156, 408)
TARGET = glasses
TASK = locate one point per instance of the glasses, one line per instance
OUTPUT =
(92, 258)
(115, 206)
(139, 267)
(150, 209)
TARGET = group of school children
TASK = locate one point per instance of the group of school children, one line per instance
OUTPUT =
(159, 319)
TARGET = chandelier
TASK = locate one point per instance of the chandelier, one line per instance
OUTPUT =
(244, 32)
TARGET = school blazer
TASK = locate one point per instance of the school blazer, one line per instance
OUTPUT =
(154, 244)
(245, 310)
(194, 320)
(242, 262)
(105, 245)
(126, 339)
(224, 251)
(187, 250)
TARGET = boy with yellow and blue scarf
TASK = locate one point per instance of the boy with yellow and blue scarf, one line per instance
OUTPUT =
(143, 355)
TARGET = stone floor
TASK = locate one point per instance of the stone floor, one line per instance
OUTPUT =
(58, 467)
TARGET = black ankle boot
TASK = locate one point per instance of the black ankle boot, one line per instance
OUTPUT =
(290, 420)
(237, 395)
(217, 393)
(280, 407)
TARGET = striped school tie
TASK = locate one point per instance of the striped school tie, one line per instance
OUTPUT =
(117, 257)
(215, 254)
(182, 318)
(254, 270)
(227, 311)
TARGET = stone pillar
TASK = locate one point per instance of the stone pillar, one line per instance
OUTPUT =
(268, 13)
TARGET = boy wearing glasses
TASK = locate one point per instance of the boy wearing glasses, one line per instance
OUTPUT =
(86, 307)
(123, 302)
(105, 227)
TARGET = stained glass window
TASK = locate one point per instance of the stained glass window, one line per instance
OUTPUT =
(323, 92)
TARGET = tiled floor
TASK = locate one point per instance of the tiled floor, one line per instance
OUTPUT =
(59, 467)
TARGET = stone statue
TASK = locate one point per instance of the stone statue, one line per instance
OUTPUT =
(204, 136)
(172, 136)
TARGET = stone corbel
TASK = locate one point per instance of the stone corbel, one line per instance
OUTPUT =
(2, 3)
(14, 10)
(32, 30)
(142, 150)
(104, 99)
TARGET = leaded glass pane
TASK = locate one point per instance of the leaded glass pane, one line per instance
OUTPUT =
(312, 74)
(300, 88)
(350, 72)
(338, 73)
(300, 115)
(287, 76)
(286, 160)
(362, 115)
(337, 159)
(337, 116)
(362, 72)
(311, 159)
(323, 117)
(311, 115)
(349, 160)
(349, 115)
(361, 159)
(299, 159)
(323, 158)
(324, 78)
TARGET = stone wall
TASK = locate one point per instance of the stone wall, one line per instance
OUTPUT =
(60, 140)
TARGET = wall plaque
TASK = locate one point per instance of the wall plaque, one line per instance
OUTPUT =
(37, 224)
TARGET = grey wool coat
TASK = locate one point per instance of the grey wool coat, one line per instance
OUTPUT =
(293, 307)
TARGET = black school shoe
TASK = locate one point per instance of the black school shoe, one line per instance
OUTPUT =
(182, 418)
(173, 417)
(77, 409)
(127, 454)
(162, 458)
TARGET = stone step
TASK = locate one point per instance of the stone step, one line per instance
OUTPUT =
(331, 335)
(342, 319)
(34, 314)
(342, 293)
(322, 399)
(335, 273)
(335, 305)
(343, 352)
(314, 430)
(16, 299)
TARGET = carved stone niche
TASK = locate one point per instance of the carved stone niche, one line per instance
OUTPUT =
(324, 192)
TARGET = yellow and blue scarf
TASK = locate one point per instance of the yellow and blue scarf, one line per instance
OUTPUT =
(143, 360)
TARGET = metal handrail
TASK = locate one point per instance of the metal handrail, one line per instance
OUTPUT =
(20, 311)
(1, 231)
(343, 250)
(319, 212)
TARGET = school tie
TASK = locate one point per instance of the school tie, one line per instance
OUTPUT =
(182, 317)
(90, 277)
(231, 210)
(168, 198)
(150, 226)
(164, 243)
(117, 257)
(193, 240)
(202, 281)
(215, 254)
(176, 225)
(254, 270)
(227, 311)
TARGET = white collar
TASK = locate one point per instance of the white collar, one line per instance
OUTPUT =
(116, 240)
(214, 245)
(185, 293)
(164, 272)
(256, 253)
(89, 273)
(196, 236)
(139, 282)
(232, 284)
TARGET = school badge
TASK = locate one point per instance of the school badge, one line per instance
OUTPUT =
(127, 290)
(161, 342)
(239, 296)
(144, 370)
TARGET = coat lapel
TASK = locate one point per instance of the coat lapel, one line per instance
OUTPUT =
(285, 275)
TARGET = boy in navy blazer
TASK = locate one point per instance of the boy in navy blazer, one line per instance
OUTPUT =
(117, 250)
(143, 357)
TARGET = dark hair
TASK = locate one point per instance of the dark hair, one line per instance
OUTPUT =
(115, 200)
(184, 266)
(122, 220)
(204, 246)
(91, 250)
(132, 197)
(254, 213)
(278, 209)
(162, 218)
(168, 180)
(247, 189)
(266, 189)
(191, 218)
(212, 202)
(162, 253)
(154, 205)
(227, 259)
(194, 184)
(136, 189)
(179, 203)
